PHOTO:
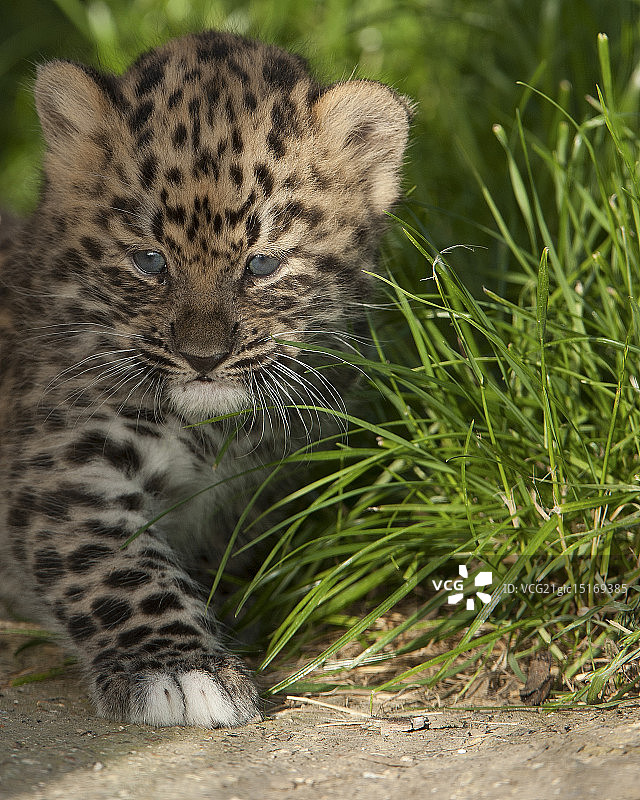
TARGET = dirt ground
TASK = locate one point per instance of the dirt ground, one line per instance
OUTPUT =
(52, 746)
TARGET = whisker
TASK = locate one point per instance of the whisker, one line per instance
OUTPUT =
(337, 397)
(114, 389)
(265, 413)
(284, 385)
(273, 393)
(55, 382)
(147, 372)
(328, 355)
(72, 398)
(157, 396)
(107, 373)
(64, 328)
(316, 398)
(341, 336)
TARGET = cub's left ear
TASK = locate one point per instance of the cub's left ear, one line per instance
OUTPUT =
(367, 123)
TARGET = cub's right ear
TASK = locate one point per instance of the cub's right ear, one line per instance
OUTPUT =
(71, 105)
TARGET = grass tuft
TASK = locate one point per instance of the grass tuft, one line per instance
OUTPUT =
(506, 439)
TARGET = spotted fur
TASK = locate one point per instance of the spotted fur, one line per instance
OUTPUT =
(207, 154)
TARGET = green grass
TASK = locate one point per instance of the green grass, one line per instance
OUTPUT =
(498, 426)
(508, 441)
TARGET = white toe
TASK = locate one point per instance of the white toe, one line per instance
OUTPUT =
(163, 703)
(205, 703)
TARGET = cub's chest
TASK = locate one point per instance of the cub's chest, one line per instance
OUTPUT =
(197, 480)
(187, 481)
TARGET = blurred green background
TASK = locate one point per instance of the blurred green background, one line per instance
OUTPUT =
(459, 59)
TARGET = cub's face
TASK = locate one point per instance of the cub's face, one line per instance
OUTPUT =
(217, 202)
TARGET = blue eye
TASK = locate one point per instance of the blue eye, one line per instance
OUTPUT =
(151, 262)
(263, 265)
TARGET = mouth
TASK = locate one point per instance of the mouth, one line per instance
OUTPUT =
(201, 397)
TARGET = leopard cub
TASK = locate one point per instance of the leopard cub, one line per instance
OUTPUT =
(199, 214)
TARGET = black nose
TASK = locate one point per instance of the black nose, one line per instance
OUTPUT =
(204, 364)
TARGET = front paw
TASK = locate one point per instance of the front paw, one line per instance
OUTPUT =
(214, 692)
